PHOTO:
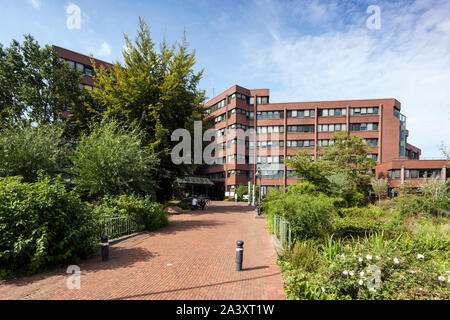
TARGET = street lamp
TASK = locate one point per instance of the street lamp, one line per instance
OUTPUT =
(258, 175)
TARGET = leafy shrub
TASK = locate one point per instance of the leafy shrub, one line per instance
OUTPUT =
(367, 212)
(309, 215)
(305, 256)
(241, 191)
(150, 215)
(355, 226)
(112, 161)
(26, 149)
(185, 203)
(41, 224)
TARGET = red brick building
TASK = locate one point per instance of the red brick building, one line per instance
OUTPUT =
(307, 125)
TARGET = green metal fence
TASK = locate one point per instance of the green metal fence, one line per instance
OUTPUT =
(115, 227)
(282, 230)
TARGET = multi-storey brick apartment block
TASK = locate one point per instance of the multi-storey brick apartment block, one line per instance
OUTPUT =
(297, 125)
(308, 126)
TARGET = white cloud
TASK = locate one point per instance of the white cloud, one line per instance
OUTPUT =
(35, 3)
(105, 50)
(407, 59)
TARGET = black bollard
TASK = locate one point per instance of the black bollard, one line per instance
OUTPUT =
(239, 255)
(105, 248)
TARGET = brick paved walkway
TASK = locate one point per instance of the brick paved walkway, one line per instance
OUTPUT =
(192, 258)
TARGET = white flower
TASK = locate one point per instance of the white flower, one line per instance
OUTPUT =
(369, 257)
(345, 272)
(352, 273)
(420, 256)
(361, 273)
(441, 278)
(447, 272)
(372, 289)
(360, 282)
(413, 271)
(360, 259)
(420, 289)
(396, 261)
(378, 258)
(323, 290)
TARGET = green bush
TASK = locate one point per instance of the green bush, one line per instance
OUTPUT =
(355, 226)
(241, 191)
(185, 203)
(112, 161)
(367, 212)
(305, 256)
(150, 215)
(26, 149)
(309, 215)
(41, 224)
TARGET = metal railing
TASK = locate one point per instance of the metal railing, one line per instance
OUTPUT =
(282, 230)
(115, 227)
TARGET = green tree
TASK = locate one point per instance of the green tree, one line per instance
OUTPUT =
(25, 149)
(155, 90)
(380, 187)
(111, 160)
(36, 84)
(345, 158)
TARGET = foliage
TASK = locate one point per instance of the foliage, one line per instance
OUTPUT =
(150, 215)
(155, 90)
(241, 191)
(340, 168)
(185, 203)
(111, 161)
(309, 215)
(380, 187)
(349, 226)
(36, 84)
(25, 149)
(41, 224)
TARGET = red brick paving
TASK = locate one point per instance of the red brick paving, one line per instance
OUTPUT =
(201, 248)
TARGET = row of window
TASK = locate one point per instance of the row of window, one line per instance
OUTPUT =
(263, 115)
(272, 174)
(239, 96)
(217, 176)
(250, 115)
(305, 128)
(415, 174)
(216, 106)
(87, 70)
(300, 114)
(300, 128)
(239, 173)
(269, 129)
(331, 127)
(364, 126)
(339, 112)
(300, 144)
(220, 119)
(365, 111)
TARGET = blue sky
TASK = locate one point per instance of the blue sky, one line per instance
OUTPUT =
(301, 50)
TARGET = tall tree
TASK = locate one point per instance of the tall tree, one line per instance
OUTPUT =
(155, 90)
(36, 84)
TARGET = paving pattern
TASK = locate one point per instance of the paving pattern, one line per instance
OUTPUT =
(192, 258)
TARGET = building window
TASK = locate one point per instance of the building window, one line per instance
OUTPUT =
(364, 126)
(300, 129)
(262, 115)
(364, 111)
(340, 112)
(423, 174)
(331, 127)
(372, 142)
(300, 113)
(262, 100)
(269, 129)
(394, 174)
(300, 143)
(216, 106)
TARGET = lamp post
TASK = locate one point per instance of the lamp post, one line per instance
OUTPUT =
(258, 175)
